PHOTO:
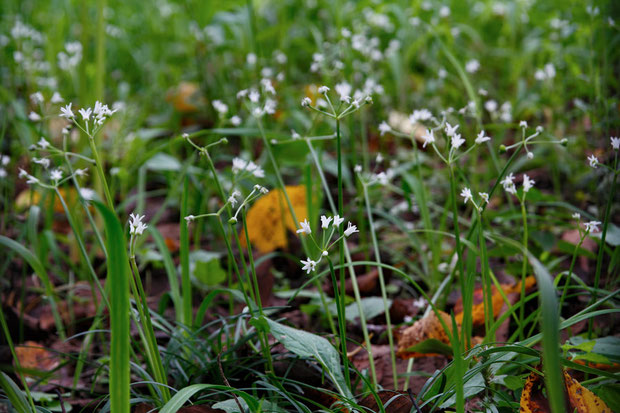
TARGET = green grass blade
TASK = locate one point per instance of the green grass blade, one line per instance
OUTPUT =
(186, 285)
(118, 279)
(14, 394)
(550, 336)
(38, 268)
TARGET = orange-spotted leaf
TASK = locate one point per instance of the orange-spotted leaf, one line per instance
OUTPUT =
(269, 218)
(581, 399)
(532, 399)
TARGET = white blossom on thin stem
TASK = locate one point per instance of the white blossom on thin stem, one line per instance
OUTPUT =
(33, 116)
(466, 194)
(56, 175)
(523, 124)
(451, 130)
(85, 113)
(384, 127)
(527, 183)
(305, 102)
(481, 138)
(457, 141)
(220, 107)
(576, 216)
(338, 221)
(484, 196)
(420, 115)
(323, 90)
(592, 226)
(325, 221)
(136, 226)
(472, 66)
(309, 265)
(56, 98)
(351, 229)
(593, 161)
(428, 138)
(615, 142)
(235, 120)
(43, 143)
(305, 227)
(190, 218)
(44, 162)
(508, 184)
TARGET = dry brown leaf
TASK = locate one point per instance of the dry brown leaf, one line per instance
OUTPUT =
(185, 97)
(426, 328)
(33, 356)
(269, 218)
(581, 399)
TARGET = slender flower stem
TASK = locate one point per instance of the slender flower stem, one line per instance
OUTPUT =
(466, 326)
(106, 189)
(339, 295)
(486, 282)
(601, 248)
(524, 266)
(570, 271)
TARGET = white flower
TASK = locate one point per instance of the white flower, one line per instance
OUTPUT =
(87, 193)
(508, 184)
(451, 130)
(56, 175)
(481, 138)
(309, 265)
(466, 194)
(444, 11)
(615, 142)
(592, 226)
(527, 183)
(484, 196)
(35, 117)
(593, 161)
(235, 120)
(305, 102)
(66, 112)
(351, 229)
(305, 227)
(472, 66)
(419, 302)
(325, 221)
(384, 127)
(338, 221)
(268, 86)
(382, 178)
(56, 98)
(43, 162)
(420, 115)
(344, 90)
(37, 97)
(523, 124)
(457, 141)
(490, 105)
(81, 172)
(136, 226)
(220, 107)
(242, 93)
(3, 173)
(43, 143)
(576, 216)
(251, 59)
(85, 113)
(4, 159)
(189, 218)
(428, 138)
(530, 155)
(233, 198)
(30, 179)
(357, 169)
(323, 90)
(254, 96)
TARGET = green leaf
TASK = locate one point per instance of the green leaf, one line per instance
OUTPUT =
(14, 394)
(612, 237)
(371, 306)
(183, 395)
(309, 345)
(205, 267)
(118, 280)
(431, 346)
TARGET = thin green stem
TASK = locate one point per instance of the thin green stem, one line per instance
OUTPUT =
(524, 265)
(99, 167)
(339, 296)
(570, 271)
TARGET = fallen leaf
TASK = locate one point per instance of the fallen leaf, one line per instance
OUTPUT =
(581, 399)
(269, 218)
(578, 398)
(33, 356)
(478, 310)
(185, 97)
(426, 328)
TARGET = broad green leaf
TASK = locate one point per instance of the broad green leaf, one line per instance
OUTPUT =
(14, 394)
(205, 267)
(309, 345)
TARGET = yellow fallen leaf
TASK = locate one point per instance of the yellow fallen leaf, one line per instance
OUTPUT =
(269, 218)
(29, 197)
(581, 399)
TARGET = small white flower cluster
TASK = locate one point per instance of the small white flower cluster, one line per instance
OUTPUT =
(472, 66)
(504, 112)
(99, 114)
(546, 73)
(256, 192)
(330, 225)
(615, 145)
(253, 98)
(591, 226)
(467, 196)
(240, 165)
(343, 89)
(136, 226)
(510, 187)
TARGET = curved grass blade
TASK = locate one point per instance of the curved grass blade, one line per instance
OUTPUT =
(118, 279)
